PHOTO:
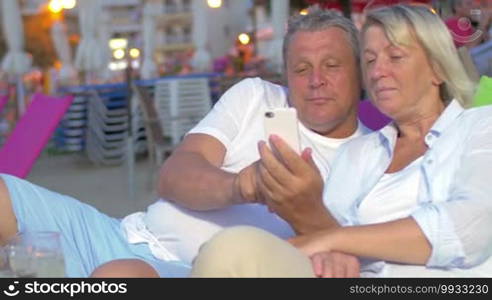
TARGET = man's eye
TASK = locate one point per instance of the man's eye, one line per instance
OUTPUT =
(396, 57)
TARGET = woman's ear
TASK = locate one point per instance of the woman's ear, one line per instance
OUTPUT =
(436, 75)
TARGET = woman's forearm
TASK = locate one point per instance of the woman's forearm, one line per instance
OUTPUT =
(397, 241)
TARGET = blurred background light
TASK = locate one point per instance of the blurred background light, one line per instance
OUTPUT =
(214, 3)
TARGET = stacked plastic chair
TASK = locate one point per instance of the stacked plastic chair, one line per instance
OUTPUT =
(181, 103)
(70, 135)
(107, 127)
(108, 124)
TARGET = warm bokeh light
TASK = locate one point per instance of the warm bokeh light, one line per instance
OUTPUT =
(118, 43)
(134, 53)
(55, 6)
(69, 4)
(214, 3)
(244, 38)
(117, 66)
(304, 11)
(119, 53)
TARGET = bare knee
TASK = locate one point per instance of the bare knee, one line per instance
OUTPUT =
(8, 222)
(125, 268)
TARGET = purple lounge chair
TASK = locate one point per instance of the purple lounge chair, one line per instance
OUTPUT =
(371, 116)
(32, 132)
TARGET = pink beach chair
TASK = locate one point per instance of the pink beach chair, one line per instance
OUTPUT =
(31, 134)
(371, 116)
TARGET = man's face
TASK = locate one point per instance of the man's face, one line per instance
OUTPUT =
(323, 81)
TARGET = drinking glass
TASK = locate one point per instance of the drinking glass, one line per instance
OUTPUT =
(36, 254)
(5, 271)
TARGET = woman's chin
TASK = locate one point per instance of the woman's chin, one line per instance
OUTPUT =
(386, 106)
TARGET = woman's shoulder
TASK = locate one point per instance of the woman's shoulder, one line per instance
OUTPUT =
(482, 114)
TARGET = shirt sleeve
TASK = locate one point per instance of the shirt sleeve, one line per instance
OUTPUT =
(224, 121)
(460, 229)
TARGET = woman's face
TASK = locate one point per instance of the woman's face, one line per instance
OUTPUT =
(399, 79)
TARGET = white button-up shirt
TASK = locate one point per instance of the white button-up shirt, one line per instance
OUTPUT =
(454, 207)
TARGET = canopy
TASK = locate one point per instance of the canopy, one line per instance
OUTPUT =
(90, 56)
(62, 47)
(16, 61)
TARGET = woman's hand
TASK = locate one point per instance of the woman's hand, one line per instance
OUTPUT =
(292, 186)
(317, 242)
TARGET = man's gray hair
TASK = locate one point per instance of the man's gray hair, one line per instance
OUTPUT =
(317, 20)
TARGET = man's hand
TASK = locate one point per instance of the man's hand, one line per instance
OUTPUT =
(335, 265)
(292, 186)
(245, 185)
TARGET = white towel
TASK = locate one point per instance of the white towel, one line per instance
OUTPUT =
(136, 232)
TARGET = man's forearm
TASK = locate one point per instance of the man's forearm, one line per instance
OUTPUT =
(192, 182)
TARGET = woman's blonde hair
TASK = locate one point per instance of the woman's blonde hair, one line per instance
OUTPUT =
(405, 23)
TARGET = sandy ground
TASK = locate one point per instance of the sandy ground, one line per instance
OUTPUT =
(104, 187)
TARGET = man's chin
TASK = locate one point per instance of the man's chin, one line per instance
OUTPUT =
(322, 128)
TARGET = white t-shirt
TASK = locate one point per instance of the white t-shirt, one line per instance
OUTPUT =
(393, 197)
(237, 122)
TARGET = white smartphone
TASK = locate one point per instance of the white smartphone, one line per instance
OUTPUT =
(283, 122)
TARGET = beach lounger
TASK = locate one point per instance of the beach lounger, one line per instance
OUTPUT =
(31, 133)
(371, 116)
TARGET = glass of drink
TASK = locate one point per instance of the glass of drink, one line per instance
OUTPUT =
(36, 254)
(5, 271)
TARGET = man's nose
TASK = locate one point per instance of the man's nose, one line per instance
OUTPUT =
(317, 79)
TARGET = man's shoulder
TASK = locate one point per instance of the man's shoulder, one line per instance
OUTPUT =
(265, 92)
(256, 82)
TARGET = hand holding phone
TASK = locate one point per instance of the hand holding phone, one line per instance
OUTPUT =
(283, 123)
